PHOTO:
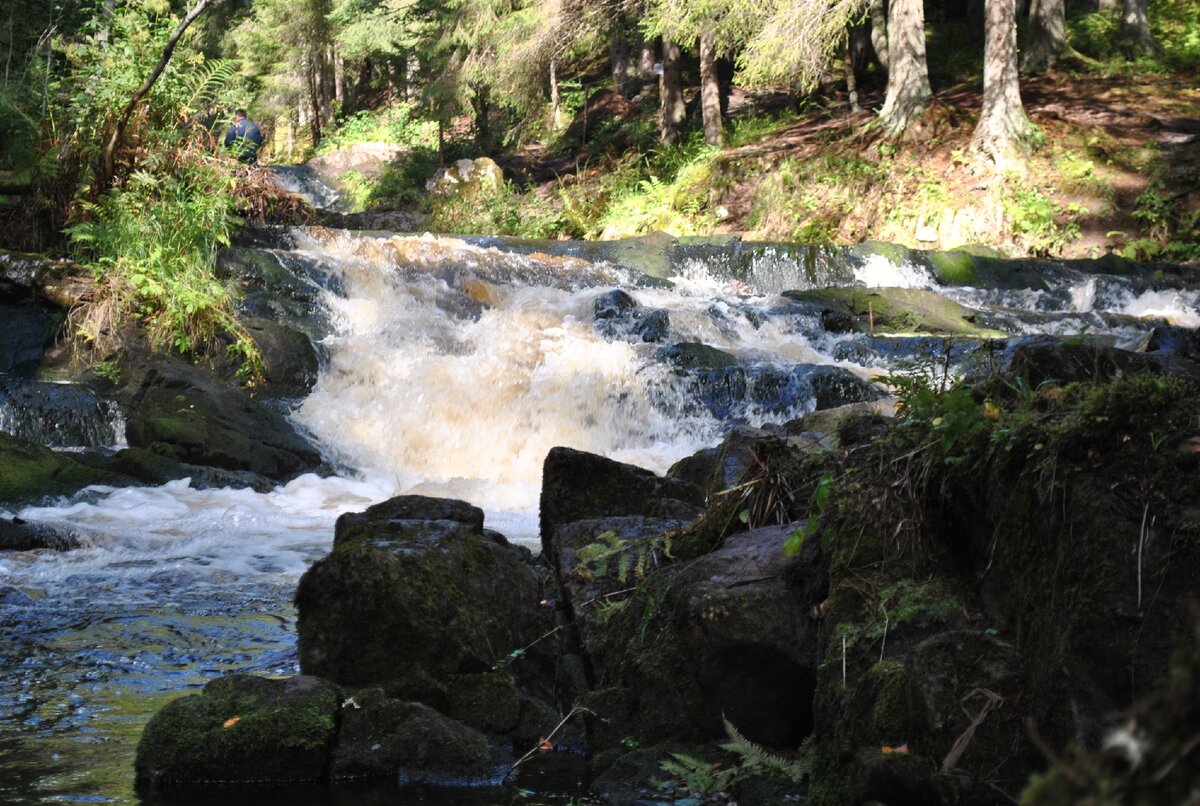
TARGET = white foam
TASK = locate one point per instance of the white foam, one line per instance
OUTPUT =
(879, 272)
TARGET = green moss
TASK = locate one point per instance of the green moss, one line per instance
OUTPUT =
(488, 702)
(898, 310)
(242, 728)
(954, 268)
(30, 472)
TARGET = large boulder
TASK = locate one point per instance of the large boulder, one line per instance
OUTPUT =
(28, 326)
(187, 414)
(412, 743)
(415, 592)
(729, 635)
(467, 179)
(577, 485)
(895, 310)
(242, 729)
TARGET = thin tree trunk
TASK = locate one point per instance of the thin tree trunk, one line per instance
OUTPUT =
(646, 60)
(1002, 133)
(339, 79)
(908, 90)
(483, 134)
(672, 109)
(1136, 39)
(555, 97)
(107, 166)
(851, 78)
(618, 50)
(710, 92)
(879, 33)
(1047, 35)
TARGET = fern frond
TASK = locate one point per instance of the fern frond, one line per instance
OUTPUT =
(755, 755)
(205, 83)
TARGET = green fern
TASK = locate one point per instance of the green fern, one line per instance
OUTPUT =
(755, 756)
(698, 775)
(204, 84)
(630, 558)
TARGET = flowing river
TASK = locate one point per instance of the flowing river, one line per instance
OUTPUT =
(449, 367)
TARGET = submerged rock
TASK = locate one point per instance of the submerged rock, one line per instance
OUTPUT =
(242, 729)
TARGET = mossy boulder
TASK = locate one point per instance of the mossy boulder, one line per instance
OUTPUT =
(412, 743)
(289, 358)
(727, 636)
(577, 485)
(1047, 358)
(30, 472)
(412, 595)
(897, 310)
(242, 729)
(187, 414)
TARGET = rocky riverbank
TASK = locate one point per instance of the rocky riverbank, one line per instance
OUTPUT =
(968, 590)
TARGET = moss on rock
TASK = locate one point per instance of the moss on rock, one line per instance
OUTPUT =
(30, 472)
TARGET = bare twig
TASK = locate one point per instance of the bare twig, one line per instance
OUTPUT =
(964, 740)
(1141, 545)
(539, 747)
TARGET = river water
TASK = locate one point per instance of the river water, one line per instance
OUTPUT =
(449, 367)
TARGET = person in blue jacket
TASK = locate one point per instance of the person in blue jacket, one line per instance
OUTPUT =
(245, 135)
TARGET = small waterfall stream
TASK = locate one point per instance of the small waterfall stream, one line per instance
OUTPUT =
(450, 367)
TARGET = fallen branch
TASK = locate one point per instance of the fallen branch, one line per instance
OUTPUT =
(964, 741)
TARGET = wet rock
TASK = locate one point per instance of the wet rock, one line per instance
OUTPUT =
(410, 597)
(270, 291)
(242, 729)
(735, 393)
(27, 328)
(696, 356)
(619, 316)
(59, 415)
(185, 413)
(21, 535)
(833, 420)
(412, 743)
(719, 468)
(1047, 358)
(578, 486)
(153, 468)
(289, 359)
(31, 472)
(59, 282)
(896, 310)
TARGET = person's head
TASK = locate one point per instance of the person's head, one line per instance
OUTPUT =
(239, 114)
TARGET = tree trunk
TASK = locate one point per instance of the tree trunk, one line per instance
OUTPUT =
(851, 78)
(1003, 130)
(646, 60)
(556, 113)
(879, 34)
(618, 51)
(908, 90)
(107, 9)
(1135, 37)
(483, 133)
(1047, 35)
(339, 79)
(710, 93)
(672, 109)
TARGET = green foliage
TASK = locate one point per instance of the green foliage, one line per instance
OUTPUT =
(507, 212)
(613, 554)
(812, 527)
(1094, 34)
(396, 124)
(698, 775)
(1043, 226)
(755, 758)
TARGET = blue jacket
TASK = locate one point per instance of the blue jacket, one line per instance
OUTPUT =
(246, 134)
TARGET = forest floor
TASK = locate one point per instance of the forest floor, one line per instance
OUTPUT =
(1115, 167)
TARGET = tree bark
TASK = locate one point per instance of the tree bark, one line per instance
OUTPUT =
(555, 97)
(107, 9)
(646, 60)
(1047, 35)
(618, 51)
(483, 133)
(1135, 37)
(339, 79)
(851, 78)
(672, 109)
(1002, 133)
(710, 93)
(107, 165)
(908, 90)
(879, 33)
